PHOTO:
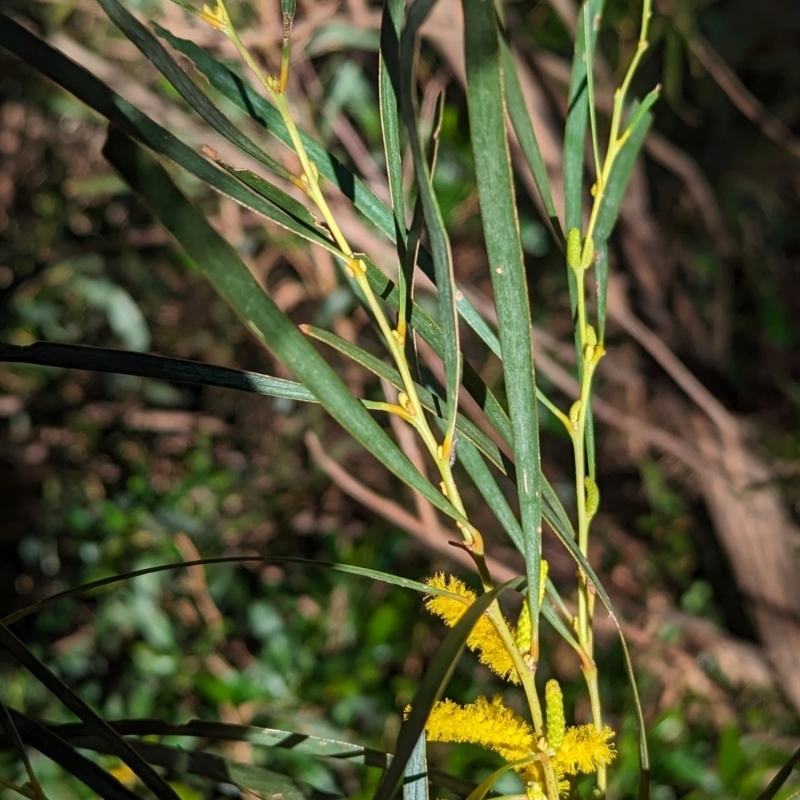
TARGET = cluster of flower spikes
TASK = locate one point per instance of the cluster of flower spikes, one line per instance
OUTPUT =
(491, 724)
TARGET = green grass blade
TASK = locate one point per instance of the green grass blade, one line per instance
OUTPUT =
(66, 756)
(236, 285)
(118, 746)
(521, 120)
(501, 233)
(437, 234)
(432, 685)
(155, 53)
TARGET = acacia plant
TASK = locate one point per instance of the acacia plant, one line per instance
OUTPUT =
(546, 750)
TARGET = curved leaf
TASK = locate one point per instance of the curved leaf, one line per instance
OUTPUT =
(56, 749)
(116, 744)
(81, 736)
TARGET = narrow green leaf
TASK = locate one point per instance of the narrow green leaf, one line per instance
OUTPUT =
(7, 724)
(437, 234)
(621, 171)
(34, 608)
(432, 685)
(80, 736)
(155, 53)
(523, 127)
(781, 777)
(53, 747)
(501, 233)
(236, 285)
(117, 745)
(252, 781)
(363, 572)
(148, 365)
(83, 736)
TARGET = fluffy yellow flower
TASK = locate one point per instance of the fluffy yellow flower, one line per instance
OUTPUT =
(494, 726)
(584, 749)
(483, 638)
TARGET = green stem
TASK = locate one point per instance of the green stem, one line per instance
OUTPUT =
(355, 267)
(526, 674)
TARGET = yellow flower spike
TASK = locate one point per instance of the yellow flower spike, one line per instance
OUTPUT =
(554, 706)
(492, 725)
(524, 629)
(584, 749)
(483, 637)
(544, 569)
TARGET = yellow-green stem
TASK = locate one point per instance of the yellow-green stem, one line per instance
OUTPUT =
(277, 93)
(526, 675)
